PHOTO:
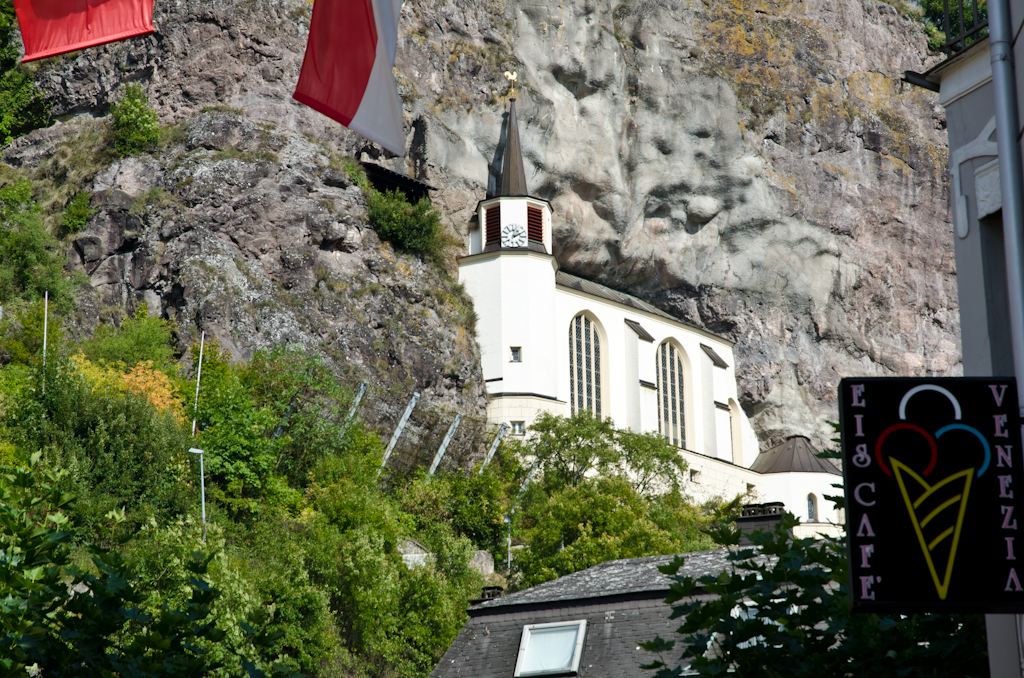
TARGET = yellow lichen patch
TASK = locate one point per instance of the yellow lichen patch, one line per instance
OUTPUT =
(842, 171)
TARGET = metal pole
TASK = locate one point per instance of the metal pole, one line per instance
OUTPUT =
(526, 483)
(355, 404)
(444, 445)
(202, 486)
(398, 431)
(494, 446)
(46, 318)
(1006, 661)
(199, 375)
(508, 559)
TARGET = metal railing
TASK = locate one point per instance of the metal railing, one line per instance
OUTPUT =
(966, 22)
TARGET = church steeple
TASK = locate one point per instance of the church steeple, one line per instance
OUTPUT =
(513, 175)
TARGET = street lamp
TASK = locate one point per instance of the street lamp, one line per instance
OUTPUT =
(202, 486)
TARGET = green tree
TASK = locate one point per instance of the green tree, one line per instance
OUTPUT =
(136, 126)
(782, 609)
(604, 494)
(22, 106)
(69, 621)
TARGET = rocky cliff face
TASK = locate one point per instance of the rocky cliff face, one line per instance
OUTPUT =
(756, 168)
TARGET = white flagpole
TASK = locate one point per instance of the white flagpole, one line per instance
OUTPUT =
(199, 375)
(46, 318)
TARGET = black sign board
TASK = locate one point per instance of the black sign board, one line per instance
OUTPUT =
(934, 494)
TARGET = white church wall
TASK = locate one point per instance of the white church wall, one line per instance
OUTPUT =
(712, 478)
(631, 366)
(512, 297)
(708, 443)
(723, 434)
(792, 489)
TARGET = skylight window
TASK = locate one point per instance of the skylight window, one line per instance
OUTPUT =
(551, 648)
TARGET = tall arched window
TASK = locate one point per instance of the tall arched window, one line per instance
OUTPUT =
(812, 509)
(670, 394)
(584, 366)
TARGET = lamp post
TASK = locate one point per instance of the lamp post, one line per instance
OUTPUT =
(202, 486)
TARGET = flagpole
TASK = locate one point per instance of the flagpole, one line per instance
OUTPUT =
(199, 375)
(46, 318)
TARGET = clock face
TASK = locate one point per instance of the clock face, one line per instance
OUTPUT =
(513, 235)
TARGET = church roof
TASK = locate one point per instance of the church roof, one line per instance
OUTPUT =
(513, 175)
(796, 454)
(590, 287)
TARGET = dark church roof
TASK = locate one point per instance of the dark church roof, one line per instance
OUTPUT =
(796, 454)
(513, 175)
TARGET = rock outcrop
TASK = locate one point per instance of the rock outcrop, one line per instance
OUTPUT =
(755, 168)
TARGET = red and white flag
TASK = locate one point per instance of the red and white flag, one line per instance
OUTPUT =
(50, 27)
(347, 72)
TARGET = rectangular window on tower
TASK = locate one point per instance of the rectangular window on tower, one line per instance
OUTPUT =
(515, 355)
(535, 223)
(493, 228)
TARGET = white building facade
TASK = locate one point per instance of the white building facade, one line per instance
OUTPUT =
(554, 342)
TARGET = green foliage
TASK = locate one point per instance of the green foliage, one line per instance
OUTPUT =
(586, 524)
(138, 338)
(605, 494)
(783, 610)
(77, 212)
(120, 451)
(48, 622)
(411, 227)
(31, 258)
(932, 13)
(22, 338)
(136, 126)
(22, 106)
(567, 449)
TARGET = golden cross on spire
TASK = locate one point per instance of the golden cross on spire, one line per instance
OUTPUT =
(512, 82)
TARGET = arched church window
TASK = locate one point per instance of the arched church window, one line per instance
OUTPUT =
(584, 366)
(670, 394)
(812, 509)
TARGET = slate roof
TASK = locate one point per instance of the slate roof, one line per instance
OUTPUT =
(613, 578)
(796, 454)
(598, 290)
(513, 174)
(621, 600)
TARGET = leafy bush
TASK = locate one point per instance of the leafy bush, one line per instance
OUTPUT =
(41, 609)
(31, 258)
(136, 126)
(411, 227)
(22, 106)
(77, 212)
(22, 334)
(138, 338)
(120, 451)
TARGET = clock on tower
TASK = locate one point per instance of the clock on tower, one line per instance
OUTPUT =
(513, 235)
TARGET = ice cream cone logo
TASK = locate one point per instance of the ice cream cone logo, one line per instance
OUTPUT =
(936, 507)
(937, 513)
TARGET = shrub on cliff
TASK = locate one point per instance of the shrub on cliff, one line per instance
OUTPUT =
(410, 227)
(136, 127)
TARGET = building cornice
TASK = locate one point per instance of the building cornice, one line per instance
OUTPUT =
(487, 256)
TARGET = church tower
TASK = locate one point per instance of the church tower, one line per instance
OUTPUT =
(510, 273)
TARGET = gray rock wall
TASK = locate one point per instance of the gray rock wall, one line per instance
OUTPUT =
(756, 168)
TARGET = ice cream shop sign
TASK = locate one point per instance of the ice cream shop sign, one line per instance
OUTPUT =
(934, 490)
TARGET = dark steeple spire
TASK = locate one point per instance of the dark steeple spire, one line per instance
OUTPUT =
(513, 176)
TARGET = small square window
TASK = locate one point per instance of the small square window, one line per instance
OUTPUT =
(553, 648)
(516, 354)
(694, 476)
(518, 428)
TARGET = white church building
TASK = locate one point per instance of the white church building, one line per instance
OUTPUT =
(554, 342)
